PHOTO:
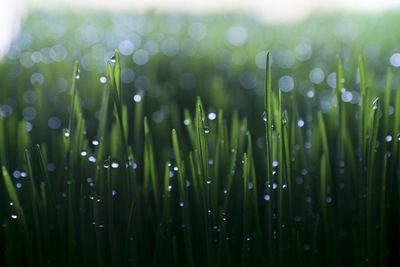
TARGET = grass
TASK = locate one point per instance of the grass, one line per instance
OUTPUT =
(280, 180)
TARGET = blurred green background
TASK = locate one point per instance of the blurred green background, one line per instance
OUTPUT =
(170, 59)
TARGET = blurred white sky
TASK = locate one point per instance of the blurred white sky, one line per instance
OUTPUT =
(12, 11)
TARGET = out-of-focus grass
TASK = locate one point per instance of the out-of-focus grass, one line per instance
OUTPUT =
(125, 165)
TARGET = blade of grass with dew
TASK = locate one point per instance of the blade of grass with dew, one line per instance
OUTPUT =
(99, 154)
(203, 167)
(186, 207)
(217, 156)
(115, 85)
(286, 149)
(363, 156)
(267, 117)
(341, 109)
(363, 102)
(138, 126)
(371, 183)
(75, 76)
(245, 209)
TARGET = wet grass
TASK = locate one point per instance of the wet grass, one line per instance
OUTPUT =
(198, 158)
(322, 191)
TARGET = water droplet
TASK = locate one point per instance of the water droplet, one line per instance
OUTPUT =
(209, 180)
(212, 116)
(266, 197)
(169, 188)
(137, 98)
(300, 123)
(106, 164)
(388, 138)
(17, 174)
(181, 204)
(225, 191)
(92, 159)
(275, 163)
(11, 204)
(206, 130)
(328, 199)
(113, 192)
(176, 168)
(66, 132)
(78, 74)
(284, 120)
(375, 104)
(114, 165)
(186, 122)
(113, 60)
(83, 153)
(14, 216)
(19, 185)
(264, 116)
(95, 142)
(103, 79)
